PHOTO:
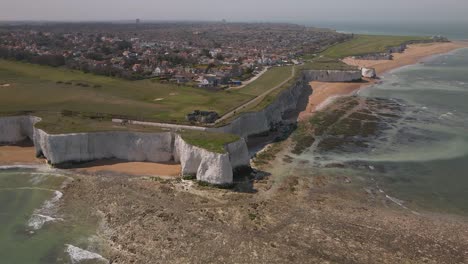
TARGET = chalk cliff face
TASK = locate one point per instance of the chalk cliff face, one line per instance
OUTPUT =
(397, 49)
(216, 168)
(238, 153)
(16, 129)
(208, 166)
(333, 76)
(258, 122)
(368, 72)
(81, 147)
(252, 123)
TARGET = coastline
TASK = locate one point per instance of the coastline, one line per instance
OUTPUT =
(295, 219)
(325, 92)
(19, 155)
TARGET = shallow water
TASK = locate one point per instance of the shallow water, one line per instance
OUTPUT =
(422, 157)
(31, 227)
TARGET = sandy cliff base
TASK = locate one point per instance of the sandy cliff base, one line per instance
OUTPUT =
(131, 168)
(324, 92)
(18, 155)
(25, 155)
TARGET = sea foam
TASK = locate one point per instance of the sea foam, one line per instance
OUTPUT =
(42, 216)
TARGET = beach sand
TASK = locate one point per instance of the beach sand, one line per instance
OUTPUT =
(131, 168)
(26, 155)
(325, 92)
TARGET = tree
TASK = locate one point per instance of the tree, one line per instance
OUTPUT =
(124, 45)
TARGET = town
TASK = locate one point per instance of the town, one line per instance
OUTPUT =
(208, 55)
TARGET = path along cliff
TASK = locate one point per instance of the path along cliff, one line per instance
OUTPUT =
(208, 166)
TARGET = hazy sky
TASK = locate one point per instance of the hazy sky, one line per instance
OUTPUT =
(236, 10)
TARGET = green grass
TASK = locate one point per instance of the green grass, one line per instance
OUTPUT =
(276, 76)
(213, 142)
(59, 124)
(273, 77)
(39, 88)
(327, 64)
(366, 44)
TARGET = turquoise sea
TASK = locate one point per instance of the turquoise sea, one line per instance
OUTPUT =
(421, 158)
(32, 228)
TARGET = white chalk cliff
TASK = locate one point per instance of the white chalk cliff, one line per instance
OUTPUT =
(332, 75)
(212, 167)
(208, 166)
(252, 123)
(368, 72)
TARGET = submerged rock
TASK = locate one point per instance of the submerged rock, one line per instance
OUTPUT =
(78, 255)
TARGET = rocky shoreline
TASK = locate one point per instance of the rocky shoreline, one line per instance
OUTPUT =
(286, 217)
(59, 149)
(295, 219)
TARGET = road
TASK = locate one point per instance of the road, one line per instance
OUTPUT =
(244, 84)
(255, 100)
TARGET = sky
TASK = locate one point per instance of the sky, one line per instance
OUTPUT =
(236, 10)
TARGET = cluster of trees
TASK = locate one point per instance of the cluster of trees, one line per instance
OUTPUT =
(106, 70)
(20, 55)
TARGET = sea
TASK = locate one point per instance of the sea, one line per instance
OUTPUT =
(32, 228)
(421, 163)
(420, 160)
(451, 30)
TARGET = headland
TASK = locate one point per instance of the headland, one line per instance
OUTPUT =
(270, 215)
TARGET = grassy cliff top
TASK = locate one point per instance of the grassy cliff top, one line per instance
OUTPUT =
(271, 78)
(366, 44)
(323, 63)
(40, 88)
(210, 141)
(59, 124)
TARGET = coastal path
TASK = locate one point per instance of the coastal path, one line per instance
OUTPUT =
(257, 99)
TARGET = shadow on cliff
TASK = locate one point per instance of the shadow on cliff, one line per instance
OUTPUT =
(27, 143)
(301, 105)
(243, 182)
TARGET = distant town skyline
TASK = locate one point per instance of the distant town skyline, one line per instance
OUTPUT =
(240, 10)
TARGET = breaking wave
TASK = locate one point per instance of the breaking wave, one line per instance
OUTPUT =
(42, 215)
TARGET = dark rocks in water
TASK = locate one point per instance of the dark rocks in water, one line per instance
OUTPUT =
(330, 143)
(354, 124)
(287, 159)
(335, 165)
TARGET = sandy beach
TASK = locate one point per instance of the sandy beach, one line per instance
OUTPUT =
(325, 92)
(26, 155)
(130, 168)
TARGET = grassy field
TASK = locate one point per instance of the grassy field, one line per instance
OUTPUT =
(326, 64)
(214, 142)
(365, 44)
(273, 77)
(39, 88)
(276, 76)
(59, 124)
